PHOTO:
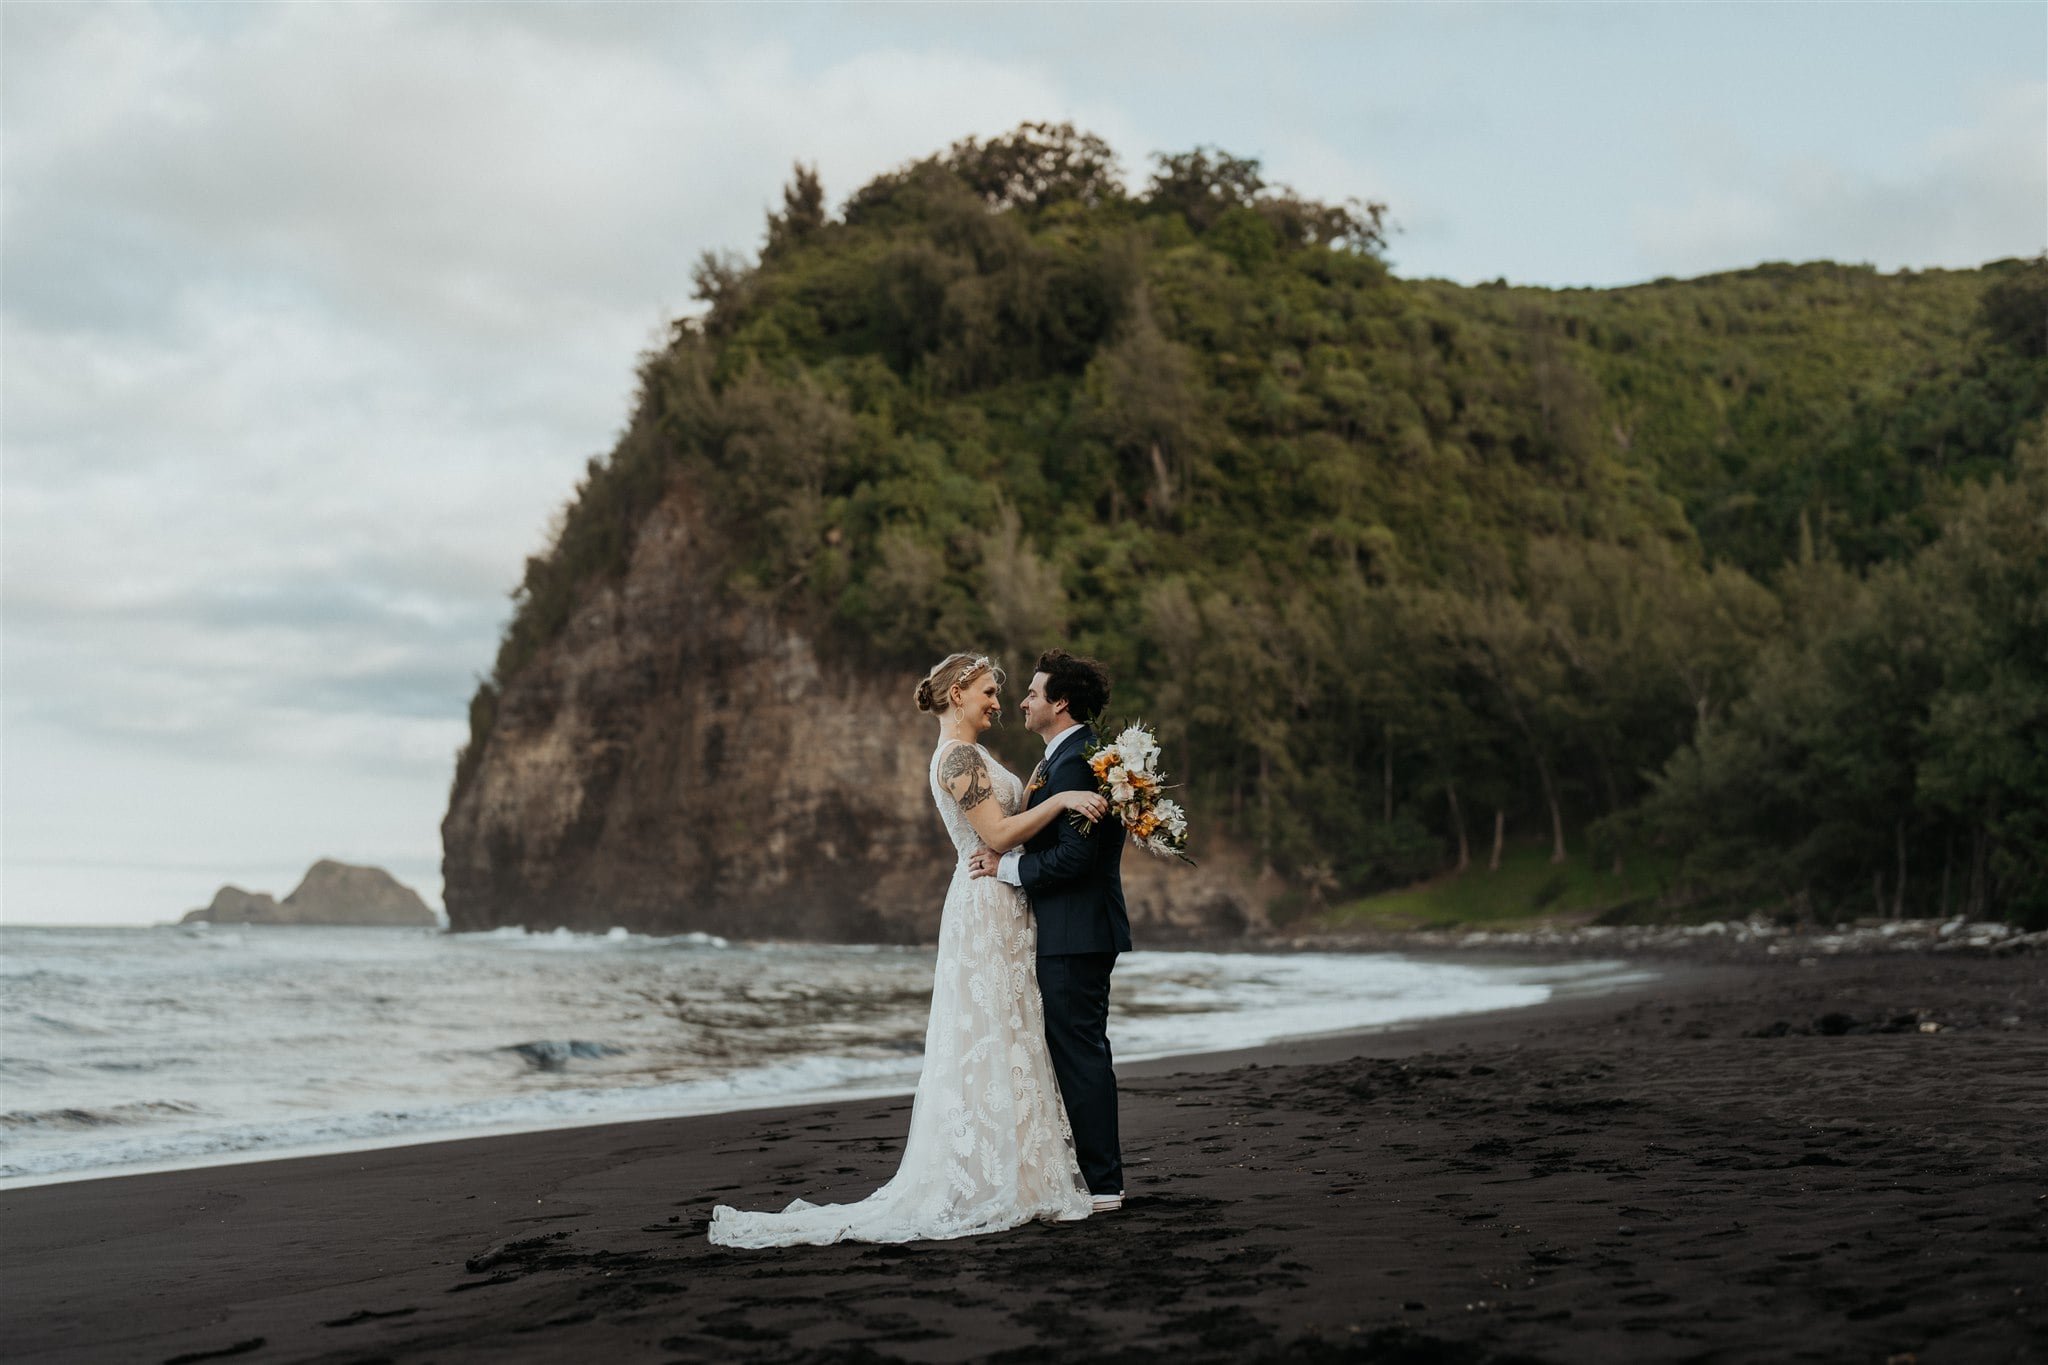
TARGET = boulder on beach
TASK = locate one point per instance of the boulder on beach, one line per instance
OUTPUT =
(330, 893)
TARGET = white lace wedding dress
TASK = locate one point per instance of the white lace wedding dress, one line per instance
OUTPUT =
(989, 1145)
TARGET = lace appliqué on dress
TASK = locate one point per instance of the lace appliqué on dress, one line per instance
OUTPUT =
(989, 1146)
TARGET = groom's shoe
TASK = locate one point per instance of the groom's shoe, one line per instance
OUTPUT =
(1105, 1203)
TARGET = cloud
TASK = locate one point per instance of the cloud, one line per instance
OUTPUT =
(313, 315)
(341, 283)
(1966, 194)
(453, 173)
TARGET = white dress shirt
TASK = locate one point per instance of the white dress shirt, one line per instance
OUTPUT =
(1006, 870)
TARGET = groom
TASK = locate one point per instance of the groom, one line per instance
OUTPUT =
(1075, 885)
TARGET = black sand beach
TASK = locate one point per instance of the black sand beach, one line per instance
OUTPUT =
(1845, 1161)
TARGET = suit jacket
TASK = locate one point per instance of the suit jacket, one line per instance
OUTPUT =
(1075, 881)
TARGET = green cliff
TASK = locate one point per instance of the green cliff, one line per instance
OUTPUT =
(1748, 567)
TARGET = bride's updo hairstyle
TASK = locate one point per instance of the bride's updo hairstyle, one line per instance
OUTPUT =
(935, 693)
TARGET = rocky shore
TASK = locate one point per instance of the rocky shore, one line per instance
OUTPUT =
(1746, 940)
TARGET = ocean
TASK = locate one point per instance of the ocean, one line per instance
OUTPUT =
(148, 1048)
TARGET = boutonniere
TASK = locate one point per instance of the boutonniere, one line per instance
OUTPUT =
(1037, 779)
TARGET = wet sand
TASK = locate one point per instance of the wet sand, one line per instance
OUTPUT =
(1738, 1163)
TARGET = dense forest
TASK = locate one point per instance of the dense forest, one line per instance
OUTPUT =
(1750, 570)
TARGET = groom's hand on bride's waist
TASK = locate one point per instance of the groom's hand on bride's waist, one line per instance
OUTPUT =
(981, 863)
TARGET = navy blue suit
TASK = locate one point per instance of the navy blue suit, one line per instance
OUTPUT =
(1075, 883)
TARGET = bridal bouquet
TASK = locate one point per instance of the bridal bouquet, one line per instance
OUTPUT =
(1127, 769)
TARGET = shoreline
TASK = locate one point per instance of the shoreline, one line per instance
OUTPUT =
(1735, 1163)
(1744, 1162)
(1660, 950)
(1755, 939)
(1315, 1044)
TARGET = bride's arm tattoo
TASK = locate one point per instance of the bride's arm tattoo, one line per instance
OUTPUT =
(965, 761)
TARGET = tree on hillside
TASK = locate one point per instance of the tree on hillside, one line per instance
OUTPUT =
(1888, 753)
(1036, 165)
(2015, 307)
(1203, 184)
(1984, 734)
(1142, 396)
(803, 213)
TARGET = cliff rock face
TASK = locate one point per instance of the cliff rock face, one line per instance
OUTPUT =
(675, 762)
(330, 893)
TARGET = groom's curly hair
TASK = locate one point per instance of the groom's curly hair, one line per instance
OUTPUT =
(1083, 684)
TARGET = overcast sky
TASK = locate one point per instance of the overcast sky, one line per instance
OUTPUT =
(310, 315)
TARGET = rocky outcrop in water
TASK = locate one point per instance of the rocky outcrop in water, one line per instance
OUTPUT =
(330, 893)
(233, 905)
(677, 760)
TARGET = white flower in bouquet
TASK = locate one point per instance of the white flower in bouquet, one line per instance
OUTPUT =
(1171, 817)
(1128, 770)
(1138, 749)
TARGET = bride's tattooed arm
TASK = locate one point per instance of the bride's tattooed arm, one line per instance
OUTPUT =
(967, 775)
(963, 760)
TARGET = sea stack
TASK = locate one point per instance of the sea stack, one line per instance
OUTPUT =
(330, 893)
(233, 905)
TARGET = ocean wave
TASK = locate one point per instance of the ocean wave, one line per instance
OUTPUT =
(141, 1111)
(573, 941)
(305, 1040)
(24, 977)
(554, 1054)
(804, 1079)
(25, 1067)
(71, 1027)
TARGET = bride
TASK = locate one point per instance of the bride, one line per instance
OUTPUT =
(989, 1145)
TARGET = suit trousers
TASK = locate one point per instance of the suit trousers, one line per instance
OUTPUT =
(1075, 988)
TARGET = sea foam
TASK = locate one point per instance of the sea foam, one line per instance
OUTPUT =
(130, 1049)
